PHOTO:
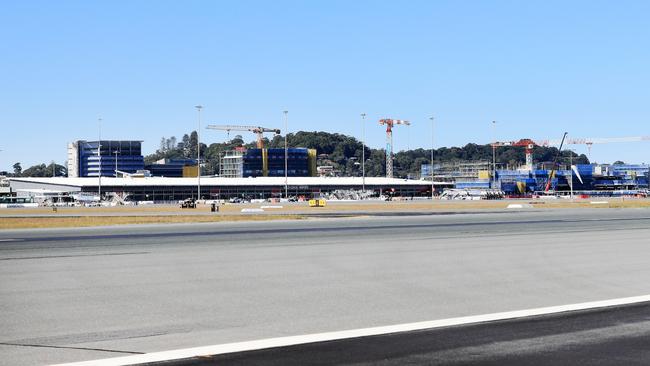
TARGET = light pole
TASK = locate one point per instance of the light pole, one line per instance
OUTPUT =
(494, 154)
(408, 137)
(116, 152)
(432, 187)
(363, 152)
(286, 155)
(571, 167)
(99, 159)
(198, 155)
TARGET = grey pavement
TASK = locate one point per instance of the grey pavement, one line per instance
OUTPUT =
(611, 336)
(80, 294)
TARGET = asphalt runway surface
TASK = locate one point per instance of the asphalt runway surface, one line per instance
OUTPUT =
(612, 336)
(81, 294)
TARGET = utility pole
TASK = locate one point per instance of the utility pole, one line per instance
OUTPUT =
(115, 152)
(219, 164)
(432, 186)
(99, 159)
(198, 155)
(363, 152)
(571, 167)
(494, 155)
(286, 155)
(408, 137)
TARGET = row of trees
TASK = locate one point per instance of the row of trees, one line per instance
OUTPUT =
(171, 148)
(40, 170)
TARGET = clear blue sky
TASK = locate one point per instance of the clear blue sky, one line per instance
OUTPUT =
(537, 67)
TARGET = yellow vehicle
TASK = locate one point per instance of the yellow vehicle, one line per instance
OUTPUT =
(317, 203)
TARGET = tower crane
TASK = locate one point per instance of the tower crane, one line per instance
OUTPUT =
(389, 141)
(259, 131)
(557, 156)
(527, 143)
(590, 141)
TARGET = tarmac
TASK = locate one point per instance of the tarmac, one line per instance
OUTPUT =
(82, 294)
(611, 336)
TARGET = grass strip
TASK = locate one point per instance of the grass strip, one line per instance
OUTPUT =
(87, 221)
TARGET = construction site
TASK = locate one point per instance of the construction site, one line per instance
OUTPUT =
(101, 171)
(554, 177)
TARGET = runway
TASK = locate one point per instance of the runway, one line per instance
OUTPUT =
(80, 294)
(612, 336)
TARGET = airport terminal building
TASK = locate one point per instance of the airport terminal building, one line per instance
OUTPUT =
(159, 189)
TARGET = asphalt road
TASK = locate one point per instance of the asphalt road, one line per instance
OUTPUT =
(612, 336)
(79, 294)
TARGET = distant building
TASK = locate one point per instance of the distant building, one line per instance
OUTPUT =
(301, 162)
(5, 189)
(232, 164)
(174, 168)
(457, 171)
(325, 171)
(583, 177)
(160, 189)
(84, 161)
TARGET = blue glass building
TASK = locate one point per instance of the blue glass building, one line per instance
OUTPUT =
(84, 160)
(585, 177)
(169, 167)
(301, 162)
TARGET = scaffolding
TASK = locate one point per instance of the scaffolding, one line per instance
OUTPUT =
(232, 164)
(464, 170)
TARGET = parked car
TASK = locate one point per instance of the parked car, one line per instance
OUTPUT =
(188, 203)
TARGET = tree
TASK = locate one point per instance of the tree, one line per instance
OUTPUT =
(618, 162)
(38, 170)
(191, 147)
(163, 145)
(42, 170)
(17, 170)
(185, 142)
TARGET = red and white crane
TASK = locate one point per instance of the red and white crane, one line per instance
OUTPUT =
(529, 144)
(389, 141)
(590, 141)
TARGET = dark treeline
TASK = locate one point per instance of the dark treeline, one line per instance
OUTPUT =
(40, 170)
(344, 153)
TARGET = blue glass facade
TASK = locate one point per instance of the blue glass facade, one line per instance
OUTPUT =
(125, 156)
(297, 162)
(169, 167)
(587, 178)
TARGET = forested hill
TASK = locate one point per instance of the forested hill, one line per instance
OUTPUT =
(344, 153)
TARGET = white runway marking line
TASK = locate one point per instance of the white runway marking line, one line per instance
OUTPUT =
(348, 334)
(10, 239)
